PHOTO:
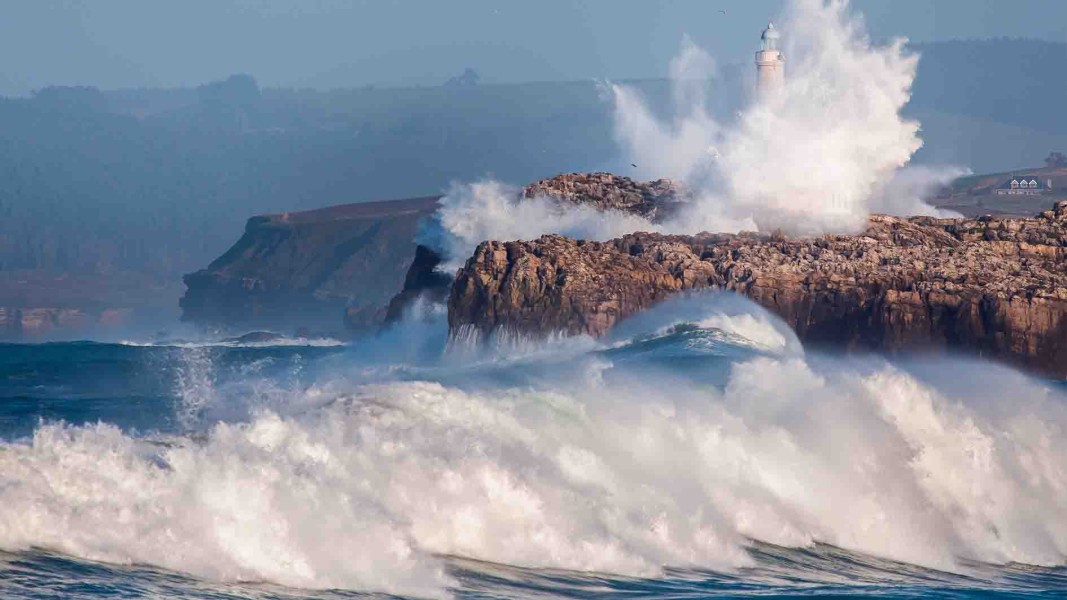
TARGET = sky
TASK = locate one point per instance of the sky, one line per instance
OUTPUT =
(351, 43)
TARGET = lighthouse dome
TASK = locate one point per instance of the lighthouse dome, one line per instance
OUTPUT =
(770, 37)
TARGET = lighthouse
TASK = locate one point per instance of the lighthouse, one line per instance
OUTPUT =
(770, 64)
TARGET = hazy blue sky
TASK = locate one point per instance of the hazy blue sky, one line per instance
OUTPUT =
(344, 43)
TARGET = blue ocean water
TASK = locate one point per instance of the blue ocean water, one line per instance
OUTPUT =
(701, 453)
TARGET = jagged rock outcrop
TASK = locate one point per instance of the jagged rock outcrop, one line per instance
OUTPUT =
(652, 200)
(306, 271)
(995, 287)
(423, 280)
(603, 191)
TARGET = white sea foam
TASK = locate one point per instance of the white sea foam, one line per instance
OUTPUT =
(489, 210)
(588, 473)
(279, 342)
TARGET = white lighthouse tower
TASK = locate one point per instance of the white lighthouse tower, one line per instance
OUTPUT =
(770, 63)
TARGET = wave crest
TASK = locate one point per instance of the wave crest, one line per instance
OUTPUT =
(615, 473)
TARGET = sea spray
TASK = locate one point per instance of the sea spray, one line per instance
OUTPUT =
(828, 149)
(209, 386)
(566, 462)
(817, 156)
(489, 210)
(682, 148)
(194, 385)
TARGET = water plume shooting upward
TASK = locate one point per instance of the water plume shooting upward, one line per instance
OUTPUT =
(814, 152)
(490, 210)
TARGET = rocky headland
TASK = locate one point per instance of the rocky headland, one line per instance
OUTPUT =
(652, 200)
(991, 286)
(996, 287)
(311, 271)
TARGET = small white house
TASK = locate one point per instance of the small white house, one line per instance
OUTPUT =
(1024, 185)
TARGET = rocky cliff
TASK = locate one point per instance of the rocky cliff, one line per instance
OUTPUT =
(993, 286)
(652, 200)
(309, 270)
(423, 280)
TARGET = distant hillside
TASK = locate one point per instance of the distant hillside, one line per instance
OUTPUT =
(303, 270)
(160, 181)
(977, 195)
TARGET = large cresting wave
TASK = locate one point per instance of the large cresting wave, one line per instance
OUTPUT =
(617, 460)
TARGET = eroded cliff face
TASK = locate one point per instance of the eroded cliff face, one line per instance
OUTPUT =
(310, 270)
(995, 287)
(653, 200)
(423, 280)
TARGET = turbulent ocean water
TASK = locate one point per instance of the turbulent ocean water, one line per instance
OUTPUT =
(700, 452)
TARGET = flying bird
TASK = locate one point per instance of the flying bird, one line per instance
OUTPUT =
(633, 165)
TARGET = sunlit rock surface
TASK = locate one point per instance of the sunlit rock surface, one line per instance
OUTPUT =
(992, 286)
(652, 200)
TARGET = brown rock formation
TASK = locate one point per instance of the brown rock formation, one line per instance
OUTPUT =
(652, 199)
(996, 287)
(304, 271)
(649, 199)
(422, 280)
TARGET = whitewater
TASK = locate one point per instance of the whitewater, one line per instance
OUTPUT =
(702, 450)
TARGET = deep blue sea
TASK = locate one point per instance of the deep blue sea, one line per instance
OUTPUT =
(700, 452)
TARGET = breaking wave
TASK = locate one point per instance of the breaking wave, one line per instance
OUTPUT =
(271, 342)
(616, 460)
